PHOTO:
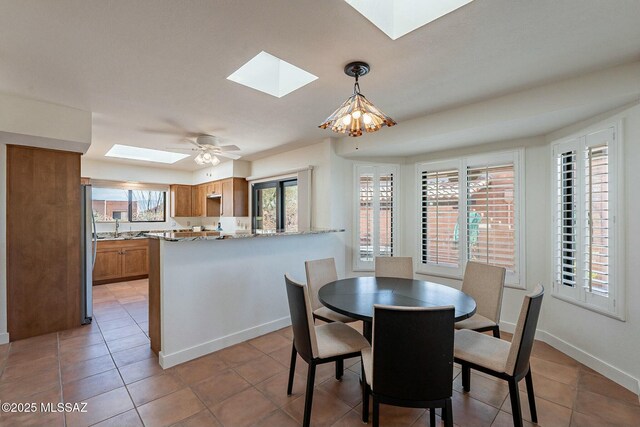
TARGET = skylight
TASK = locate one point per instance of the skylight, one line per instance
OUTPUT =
(272, 75)
(399, 17)
(144, 154)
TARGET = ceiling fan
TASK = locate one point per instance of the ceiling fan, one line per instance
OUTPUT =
(209, 149)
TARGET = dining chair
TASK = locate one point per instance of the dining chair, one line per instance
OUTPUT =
(484, 283)
(509, 361)
(319, 273)
(316, 344)
(411, 361)
(400, 267)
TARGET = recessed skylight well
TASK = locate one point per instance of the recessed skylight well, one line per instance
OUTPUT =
(144, 154)
(272, 75)
(399, 17)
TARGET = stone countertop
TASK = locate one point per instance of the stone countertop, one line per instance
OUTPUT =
(131, 235)
(190, 236)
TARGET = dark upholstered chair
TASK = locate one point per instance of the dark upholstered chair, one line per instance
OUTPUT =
(316, 344)
(484, 283)
(394, 266)
(411, 362)
(509, 361)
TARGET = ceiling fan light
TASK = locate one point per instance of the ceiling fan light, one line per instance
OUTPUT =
(199, 160)
(214, 161)
(206, 157)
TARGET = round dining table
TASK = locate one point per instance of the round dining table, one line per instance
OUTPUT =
(356, 296)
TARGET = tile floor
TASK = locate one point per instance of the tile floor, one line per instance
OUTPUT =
(109, 365)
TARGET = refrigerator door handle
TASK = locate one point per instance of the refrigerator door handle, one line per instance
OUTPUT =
(95, 240)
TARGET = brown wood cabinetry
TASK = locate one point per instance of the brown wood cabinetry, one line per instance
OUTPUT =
(118, 260)
(192, 200)
(180, 200)
(43, 241)
(235, 197)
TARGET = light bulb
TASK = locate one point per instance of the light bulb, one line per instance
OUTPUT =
(346, 119)
(366, 118)
(215, 160)
(357, 114)
(206, 157)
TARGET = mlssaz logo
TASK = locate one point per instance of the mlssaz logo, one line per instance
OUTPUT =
(63, 407)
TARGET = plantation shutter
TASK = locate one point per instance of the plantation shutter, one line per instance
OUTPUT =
(491, 215)
(596, 263)
(375, 218)
(566, 217)
(365, 217)
(439, 208)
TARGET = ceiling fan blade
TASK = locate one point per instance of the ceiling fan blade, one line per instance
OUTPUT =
(181, 149)
(163, 131)
(229, 148)
(228, 156)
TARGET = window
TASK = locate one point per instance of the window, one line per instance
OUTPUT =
(470, 209)
(585, 210)
(110, 204)
(375, 211)
(275, 205)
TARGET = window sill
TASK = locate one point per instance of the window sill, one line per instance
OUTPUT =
(590, 307)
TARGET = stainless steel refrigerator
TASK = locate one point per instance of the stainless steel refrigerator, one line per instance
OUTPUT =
(89, 243)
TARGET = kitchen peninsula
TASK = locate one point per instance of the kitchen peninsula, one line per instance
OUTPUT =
(211, 290)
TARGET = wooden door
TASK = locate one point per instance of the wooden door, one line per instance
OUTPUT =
(43, 241)
(135, 261)
(108, 264)
(180, 200)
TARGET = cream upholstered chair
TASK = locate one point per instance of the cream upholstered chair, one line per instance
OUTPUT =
(509, 361)
(411, 362)
(316, 344)
(319, 273)
(401, 267)
(484, 283)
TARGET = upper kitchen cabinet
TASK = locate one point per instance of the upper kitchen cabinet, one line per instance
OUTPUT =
(198, 200)
(181, 196)
(235, 197)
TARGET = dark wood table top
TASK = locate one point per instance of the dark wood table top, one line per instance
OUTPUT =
(355, 297)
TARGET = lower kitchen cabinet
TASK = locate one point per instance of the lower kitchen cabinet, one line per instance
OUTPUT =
(119, 260)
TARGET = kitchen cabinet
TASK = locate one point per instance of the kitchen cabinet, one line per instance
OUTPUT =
(43, 267)
(192, 200)
(119, 260)
(181, 204)
(198, 200)
(235, 197)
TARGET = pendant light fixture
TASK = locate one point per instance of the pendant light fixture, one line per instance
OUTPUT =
(357, 115)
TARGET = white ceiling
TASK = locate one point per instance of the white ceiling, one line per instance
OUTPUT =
(149, 64)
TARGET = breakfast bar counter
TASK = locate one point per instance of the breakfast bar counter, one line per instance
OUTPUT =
(210, 290)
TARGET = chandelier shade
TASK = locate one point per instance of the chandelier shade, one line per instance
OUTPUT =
(357, 115)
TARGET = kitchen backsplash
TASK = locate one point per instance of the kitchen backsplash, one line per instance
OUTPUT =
(229, 224)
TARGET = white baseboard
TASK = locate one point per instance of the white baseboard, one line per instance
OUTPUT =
(169, 360)
(614, 374)
(4, 337)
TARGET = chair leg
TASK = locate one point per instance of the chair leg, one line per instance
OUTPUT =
(339, 369)
(376, 412)
(448, 410)
(466, 377)
(432, 417)
(496, 331)
(532, 398)
(308, 400)
(365, 402)
(292, 368)
(515, 402)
